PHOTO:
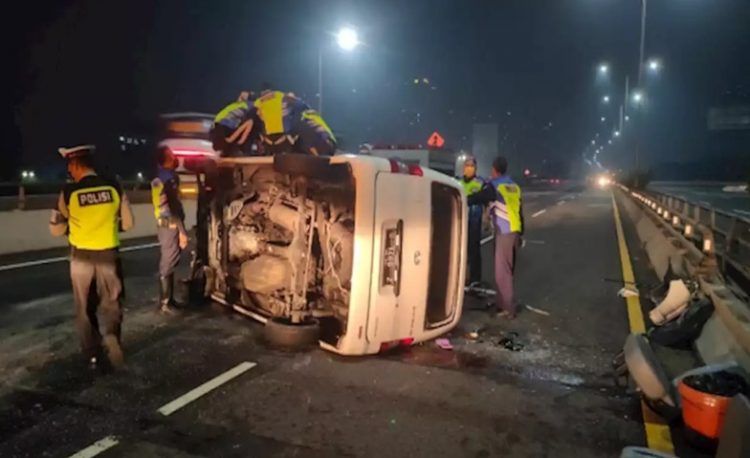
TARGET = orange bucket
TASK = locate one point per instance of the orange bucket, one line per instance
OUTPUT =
(703, 412)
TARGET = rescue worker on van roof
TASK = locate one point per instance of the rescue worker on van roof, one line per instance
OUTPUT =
(473, 184)
(92, 210)
(236, 127)
(170, 221)
(315, 137)
(280, 114)
(504, 197)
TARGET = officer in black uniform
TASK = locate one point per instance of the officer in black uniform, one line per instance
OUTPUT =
(93, 210)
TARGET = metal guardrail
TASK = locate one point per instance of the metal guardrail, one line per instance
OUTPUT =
(716, 239)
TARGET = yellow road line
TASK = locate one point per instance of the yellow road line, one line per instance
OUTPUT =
(658, 436)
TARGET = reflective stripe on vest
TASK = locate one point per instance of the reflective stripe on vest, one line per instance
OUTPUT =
(314, 118)
(232, 114)
(271, 112)
(93, 219)
(509, 208)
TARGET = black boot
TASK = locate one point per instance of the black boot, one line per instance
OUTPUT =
(166, 301)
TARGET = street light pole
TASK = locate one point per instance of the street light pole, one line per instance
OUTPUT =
(320, 80)
(644, 5)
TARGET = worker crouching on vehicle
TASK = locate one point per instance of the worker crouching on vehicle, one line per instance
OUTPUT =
(473, 184)
(170, 220)
(236, 127)
(92, 210)
(315, 137)
(504, 198)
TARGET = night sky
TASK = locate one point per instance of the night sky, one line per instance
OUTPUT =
(93, 70)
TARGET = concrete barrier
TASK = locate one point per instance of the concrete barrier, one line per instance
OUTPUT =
(726, 335)
(28, 230)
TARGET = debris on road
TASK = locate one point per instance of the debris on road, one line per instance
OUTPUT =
(509, 342)
(536, 310)
(628, 291)
(445, 344)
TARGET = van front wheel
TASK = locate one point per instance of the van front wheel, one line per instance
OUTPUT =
(283, 334)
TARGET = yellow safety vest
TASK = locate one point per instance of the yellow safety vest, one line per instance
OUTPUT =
(271, 111)
(510, 210)
(94, 209)
(472, 186)
(234, 111)
(317, 120)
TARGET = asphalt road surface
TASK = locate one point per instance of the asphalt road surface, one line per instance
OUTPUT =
(553, 397)
(708, 195)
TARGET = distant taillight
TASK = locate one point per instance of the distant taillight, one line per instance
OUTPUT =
(190, 153)
(416, 170)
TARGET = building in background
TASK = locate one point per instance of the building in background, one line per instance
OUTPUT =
(485, 147)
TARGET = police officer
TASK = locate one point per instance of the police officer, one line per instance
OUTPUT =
(170, 220)
(504, 198)
(280, 114)
(473, 184)
(92, 210)
(315, 137)
(236, 127)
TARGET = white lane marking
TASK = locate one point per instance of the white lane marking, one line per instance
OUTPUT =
(561, 202)
(97, 447)
(486, 240)
(39, 262)
(192, 395)
(540, 212)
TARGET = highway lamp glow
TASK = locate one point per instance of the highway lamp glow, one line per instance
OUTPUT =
(603, 69)
(140, 175)
(593, 142)
(708, 246)
(637, 97)
(688, 230)
(666, 215)
(605, 99)
(604, 118)
(654, 65)
(610, 142)
(347, 38)
(627, 118)
(32, 175)
(675, 220)
(617, 133)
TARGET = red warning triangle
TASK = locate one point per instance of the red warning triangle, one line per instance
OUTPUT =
(436, 140)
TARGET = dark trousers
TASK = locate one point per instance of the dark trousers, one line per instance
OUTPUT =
(505, 256)
(97, 288)
(474, 251)
(169, 250)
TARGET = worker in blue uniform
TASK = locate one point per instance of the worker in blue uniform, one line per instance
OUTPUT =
(504, 197)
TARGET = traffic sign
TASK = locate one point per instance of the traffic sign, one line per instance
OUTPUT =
(436, 140)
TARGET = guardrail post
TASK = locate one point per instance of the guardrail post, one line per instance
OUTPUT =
(21, 197)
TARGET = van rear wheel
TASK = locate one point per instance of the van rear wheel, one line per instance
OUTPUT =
(283, 334)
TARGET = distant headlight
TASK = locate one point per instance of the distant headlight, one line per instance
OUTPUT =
(604, 182)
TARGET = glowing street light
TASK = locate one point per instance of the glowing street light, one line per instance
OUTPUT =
(603, 69)
(617, 133)
(603, 119)
(593, 142)
(605, 99)
(654, 65)
(347, 39)
(638, 97)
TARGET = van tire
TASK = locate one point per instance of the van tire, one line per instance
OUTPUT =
(302, 165)
(281, 333)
